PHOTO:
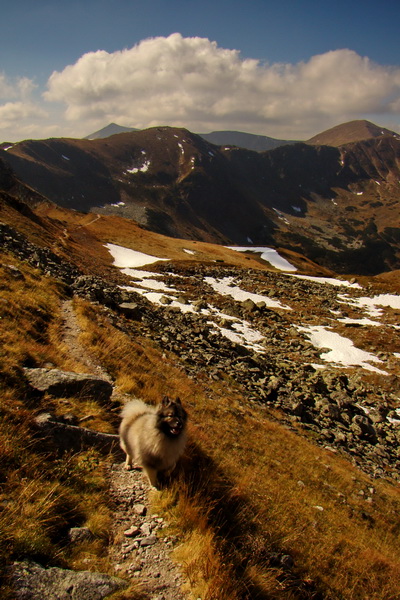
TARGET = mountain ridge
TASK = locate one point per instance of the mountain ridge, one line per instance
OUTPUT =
(336, 205)
(344, 133)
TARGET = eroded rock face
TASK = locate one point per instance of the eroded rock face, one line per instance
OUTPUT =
(33, 582)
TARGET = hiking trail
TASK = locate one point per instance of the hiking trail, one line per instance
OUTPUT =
(138, 550)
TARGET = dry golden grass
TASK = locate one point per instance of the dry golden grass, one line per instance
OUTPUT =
(41, 494)
(251, 489)
(88, 233)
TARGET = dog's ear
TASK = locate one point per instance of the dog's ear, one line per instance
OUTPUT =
(165, 401)
(178, 400)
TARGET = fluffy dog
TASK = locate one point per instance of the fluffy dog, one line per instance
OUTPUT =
(153, 436)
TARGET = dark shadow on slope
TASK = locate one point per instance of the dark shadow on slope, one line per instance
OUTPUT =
(241, 542)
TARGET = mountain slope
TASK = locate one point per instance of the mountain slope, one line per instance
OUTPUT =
(353, 131)
(258, 143)
(338, 206)
(282, 432)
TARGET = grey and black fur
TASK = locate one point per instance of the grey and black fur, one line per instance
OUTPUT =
(153, 436)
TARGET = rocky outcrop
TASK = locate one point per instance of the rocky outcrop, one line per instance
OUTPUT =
(339, 411)
(65, 383)
(31, 581)
(39, 257)
(88, 286)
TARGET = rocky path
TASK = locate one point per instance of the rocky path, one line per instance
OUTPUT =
(139, 552)
(71, 332)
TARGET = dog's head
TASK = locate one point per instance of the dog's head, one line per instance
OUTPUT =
(171, 417)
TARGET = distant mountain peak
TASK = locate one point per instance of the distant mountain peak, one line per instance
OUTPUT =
(250, 141)
(111, 129)
(352, 131)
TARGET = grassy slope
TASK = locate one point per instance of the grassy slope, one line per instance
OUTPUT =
(41, 495)
(248, 487)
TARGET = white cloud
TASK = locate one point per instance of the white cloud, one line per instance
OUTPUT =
(19, 112)
(12, 113)
(19, 88)
(194, 83)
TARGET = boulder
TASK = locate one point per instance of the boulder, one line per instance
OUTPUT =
(130, 310)
(80, 534)
(31, 581)
(65, 383)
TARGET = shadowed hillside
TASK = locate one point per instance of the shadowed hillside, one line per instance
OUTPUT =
(336, 205)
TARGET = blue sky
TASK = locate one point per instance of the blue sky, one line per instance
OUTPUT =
(299, 66)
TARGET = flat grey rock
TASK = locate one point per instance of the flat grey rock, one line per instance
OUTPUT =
(33, 582)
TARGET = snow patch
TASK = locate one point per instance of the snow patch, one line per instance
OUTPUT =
(243, 334)
(145, 167)
(342, 350)
(360, 322)
(125, 257)
(370, 305)
(268, 254)
(226, 287)
(281, 216)
(328, 280)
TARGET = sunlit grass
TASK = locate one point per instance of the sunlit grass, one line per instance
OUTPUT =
(42, 494)
(251, 489)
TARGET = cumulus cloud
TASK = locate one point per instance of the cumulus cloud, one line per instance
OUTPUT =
(192, 82)
(18, 111)
(21, 87)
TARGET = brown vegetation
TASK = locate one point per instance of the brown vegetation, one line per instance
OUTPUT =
(41, 494)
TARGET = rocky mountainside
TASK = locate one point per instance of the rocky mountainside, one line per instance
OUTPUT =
(323, 351)
(336, 205)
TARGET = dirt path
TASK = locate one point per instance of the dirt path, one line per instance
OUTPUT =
(139, 552)
(71, 332)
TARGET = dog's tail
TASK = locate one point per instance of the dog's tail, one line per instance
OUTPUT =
(135, 409)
